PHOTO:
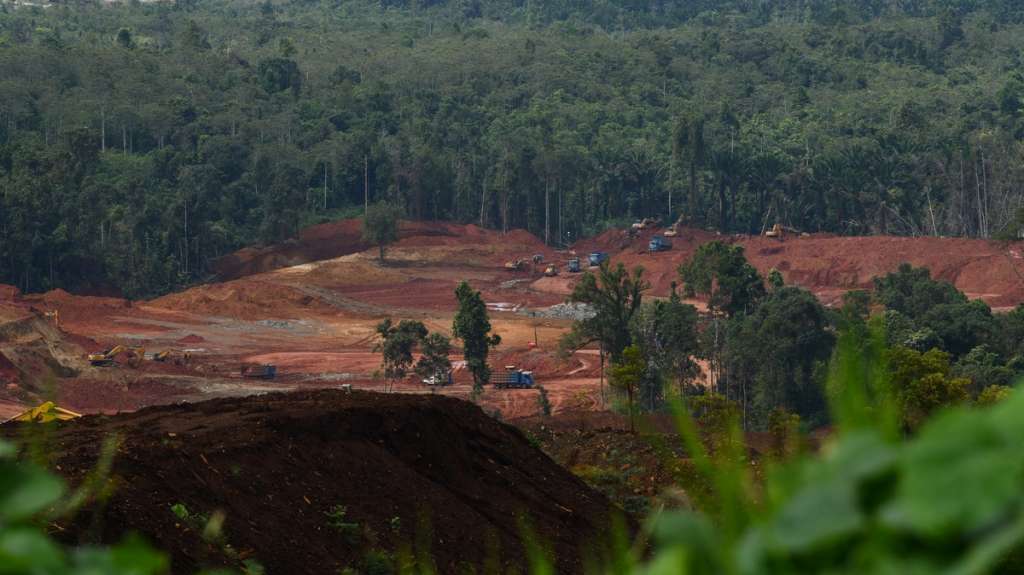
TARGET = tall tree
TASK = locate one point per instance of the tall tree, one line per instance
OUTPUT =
(614, 295)
(397, 344)
(380, 225)
(473, 327)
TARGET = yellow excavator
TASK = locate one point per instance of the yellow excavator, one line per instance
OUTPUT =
(109, 357)
(46, 412)
(168, 356)
(514, 265)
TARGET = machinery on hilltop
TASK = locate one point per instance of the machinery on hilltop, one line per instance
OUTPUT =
(597, 258)
(514, 265)
(779, 231)
(659, 244)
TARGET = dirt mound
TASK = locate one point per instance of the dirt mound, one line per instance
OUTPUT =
(33, 355)
(408, 471)
(192, 338)
(314, 243)
(246, 299)
(341, 238)
(983, 269)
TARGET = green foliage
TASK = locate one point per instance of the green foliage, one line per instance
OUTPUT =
(923, 384)
(30, 498)
(397, 344)
(946, 501)
(472, 326)
(984, 368)
(776, 356)
(434, 350)
(993, 394)
(627, 374)
(135, 168)
(380, 226)
(338, 520)
(721, 272)
(912, 292)
(666, 332)
(615, 295)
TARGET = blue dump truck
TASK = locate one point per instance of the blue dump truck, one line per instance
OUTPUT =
(659, 244)
(597, 258)
(512, 378)
(264, 371)
(573, 266)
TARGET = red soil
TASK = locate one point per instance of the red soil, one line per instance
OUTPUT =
(829, 265)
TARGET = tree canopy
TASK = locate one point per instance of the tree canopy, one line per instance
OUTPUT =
(164, 135)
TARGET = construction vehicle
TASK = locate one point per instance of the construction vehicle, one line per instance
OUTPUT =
(779, 231)
(644, 223)
(514, 265)
(108, 358)
(178, 357)
(538, 258)
(45, 413)
(262, 371)
(512, 378)
(440, 378)
(659, 244)
(573, 266)
(597, 258)
(53, 315)
(551, 271)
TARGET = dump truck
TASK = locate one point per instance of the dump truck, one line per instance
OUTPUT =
(512, 378)
(108, 357)
(659, 244)
(263, 371)
(551, 270)
(597, 258)
(573, 266)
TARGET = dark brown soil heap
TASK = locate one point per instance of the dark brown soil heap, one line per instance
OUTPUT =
(275, 465)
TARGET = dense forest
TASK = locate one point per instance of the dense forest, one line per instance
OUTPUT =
(139, 141)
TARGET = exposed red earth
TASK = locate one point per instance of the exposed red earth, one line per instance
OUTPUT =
(310, 307)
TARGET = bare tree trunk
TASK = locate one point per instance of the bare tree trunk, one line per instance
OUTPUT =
(547, 212)
(366, 184)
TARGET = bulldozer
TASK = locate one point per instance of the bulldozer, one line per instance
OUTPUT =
(514, 265)
(108, 357)
(551, 271)
(45, 413)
